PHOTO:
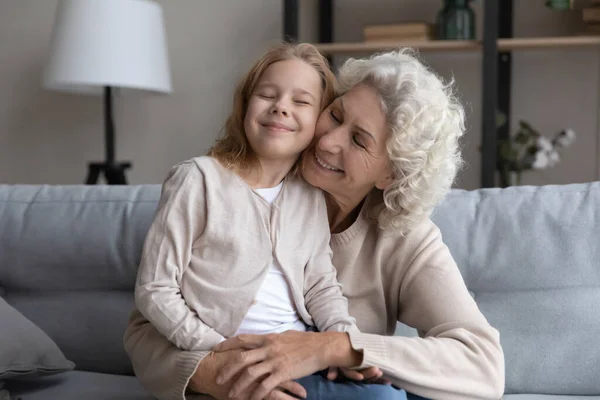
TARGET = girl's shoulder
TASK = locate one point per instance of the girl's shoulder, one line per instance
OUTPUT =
(298, 187)
(203, 165)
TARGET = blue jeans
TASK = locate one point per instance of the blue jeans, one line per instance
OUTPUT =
(319, 387)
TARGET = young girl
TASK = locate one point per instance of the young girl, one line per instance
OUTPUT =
(239, 243)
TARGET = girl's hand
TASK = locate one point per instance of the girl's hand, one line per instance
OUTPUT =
(270, 360)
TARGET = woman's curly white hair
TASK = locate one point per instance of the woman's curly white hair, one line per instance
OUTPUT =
(425, 120)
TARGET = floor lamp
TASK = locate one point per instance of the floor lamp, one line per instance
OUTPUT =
(100, 45)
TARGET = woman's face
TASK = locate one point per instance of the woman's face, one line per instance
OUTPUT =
(348, 157)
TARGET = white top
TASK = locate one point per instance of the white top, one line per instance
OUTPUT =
(273, 310)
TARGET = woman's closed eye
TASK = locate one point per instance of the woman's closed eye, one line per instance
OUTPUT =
(335, 118)
(356, 139)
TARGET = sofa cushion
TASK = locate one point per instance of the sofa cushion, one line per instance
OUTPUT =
(77, 385)
(531, 256)
(68, 262)
(25, 350)
(547, 397)
(87, 326)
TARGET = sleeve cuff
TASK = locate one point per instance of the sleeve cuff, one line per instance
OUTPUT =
(345, 326)
(371, 346)
(210, 340)
(188, 363)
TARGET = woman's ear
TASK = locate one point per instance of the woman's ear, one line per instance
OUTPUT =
(386, 181)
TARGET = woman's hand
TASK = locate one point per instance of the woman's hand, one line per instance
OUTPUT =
(204, 379)
(270, 360)
(367, 375)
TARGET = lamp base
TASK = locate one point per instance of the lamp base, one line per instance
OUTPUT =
(114, 173)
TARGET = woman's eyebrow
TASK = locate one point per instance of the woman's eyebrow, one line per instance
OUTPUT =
(358, 127)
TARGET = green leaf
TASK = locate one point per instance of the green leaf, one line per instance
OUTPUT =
(521, 137)
(529, 128)
(500, 119)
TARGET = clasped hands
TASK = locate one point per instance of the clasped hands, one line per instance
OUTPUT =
(256, 367)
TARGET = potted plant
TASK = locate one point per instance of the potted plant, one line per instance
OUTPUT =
(528, 150)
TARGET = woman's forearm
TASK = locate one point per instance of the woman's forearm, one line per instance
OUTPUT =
(468, 360)
(163, 369)
(339, 351)
(200, 382)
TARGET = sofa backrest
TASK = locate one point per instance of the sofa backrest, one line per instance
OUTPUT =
(68, 262)
(531, 256)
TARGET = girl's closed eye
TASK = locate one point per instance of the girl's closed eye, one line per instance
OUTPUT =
(268, 96)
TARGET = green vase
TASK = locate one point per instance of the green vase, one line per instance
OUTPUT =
(560, 4)
(456, 21)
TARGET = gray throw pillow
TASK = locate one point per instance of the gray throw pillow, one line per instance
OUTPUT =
(25, 350)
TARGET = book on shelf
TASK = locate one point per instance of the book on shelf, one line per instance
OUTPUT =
(591, 14)
(593, 29)
(411, 31)
(397, 38)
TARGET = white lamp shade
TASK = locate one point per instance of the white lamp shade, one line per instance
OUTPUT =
(97, 43)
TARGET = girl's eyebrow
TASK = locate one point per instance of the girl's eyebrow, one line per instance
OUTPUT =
(266, 85)
(270, 85)
(306, 92)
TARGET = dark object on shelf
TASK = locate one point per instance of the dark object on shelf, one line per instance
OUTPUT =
(560, 4)
(456, 21)
(503, 86)
(591, 17)
(290, 20)
(490, 92)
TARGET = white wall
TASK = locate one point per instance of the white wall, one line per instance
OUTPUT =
(48, 137)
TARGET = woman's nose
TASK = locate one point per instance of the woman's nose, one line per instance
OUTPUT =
(331, 141)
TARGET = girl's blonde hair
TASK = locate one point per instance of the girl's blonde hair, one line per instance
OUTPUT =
(233, 149)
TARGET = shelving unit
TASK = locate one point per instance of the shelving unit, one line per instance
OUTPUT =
(510, 44)
(496, 48)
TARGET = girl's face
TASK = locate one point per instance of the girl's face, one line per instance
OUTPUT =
(283, 110)
(348, 157)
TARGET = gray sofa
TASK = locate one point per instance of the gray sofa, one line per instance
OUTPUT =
(68, 257)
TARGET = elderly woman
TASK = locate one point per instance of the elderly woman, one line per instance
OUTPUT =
(385, 153)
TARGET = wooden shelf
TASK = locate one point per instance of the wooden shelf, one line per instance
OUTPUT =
(460, 45)
(549, 42)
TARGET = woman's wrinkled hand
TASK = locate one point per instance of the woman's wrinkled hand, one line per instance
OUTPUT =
(367, 375)
(204, 379)
(269, 360)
